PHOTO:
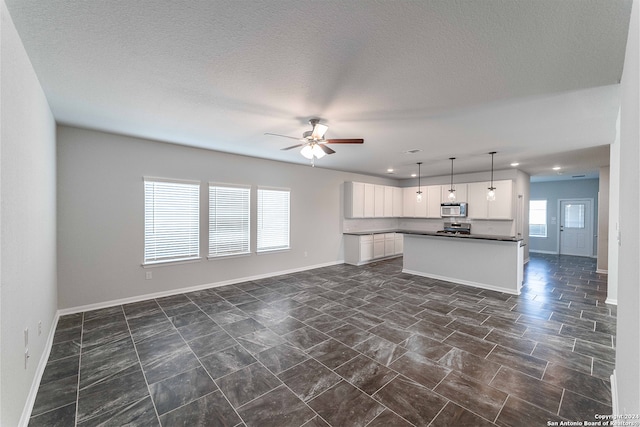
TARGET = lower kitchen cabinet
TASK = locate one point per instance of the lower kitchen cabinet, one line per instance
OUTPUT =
(361, 249)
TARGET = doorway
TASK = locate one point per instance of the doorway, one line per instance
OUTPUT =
(576, 227)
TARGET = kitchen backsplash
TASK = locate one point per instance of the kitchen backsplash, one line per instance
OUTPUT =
(499, 228)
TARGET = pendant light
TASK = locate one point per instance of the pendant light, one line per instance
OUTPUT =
(491, 194)
(419, 192)
(452, 191)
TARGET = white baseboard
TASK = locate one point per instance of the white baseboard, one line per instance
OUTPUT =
(462, 282)
(601, 271)
(611, 301)
(535, 251)
(129, 300)
(35, 384)
(614, 395)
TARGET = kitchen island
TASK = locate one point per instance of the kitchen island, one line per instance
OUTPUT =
(487, 262)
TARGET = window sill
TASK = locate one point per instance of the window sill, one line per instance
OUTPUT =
(220, 257)
(170, 262)
(272, 251)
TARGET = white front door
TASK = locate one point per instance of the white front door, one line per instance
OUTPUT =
(576, 227)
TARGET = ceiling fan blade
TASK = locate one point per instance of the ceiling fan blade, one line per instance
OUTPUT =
(345, 141)
(318, 131)
(285, 136)
(292, 147)
(326, 149)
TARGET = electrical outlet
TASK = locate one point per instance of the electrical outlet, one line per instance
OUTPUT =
(39, 327)
(26, 337)
(148, 275)
(305, 254)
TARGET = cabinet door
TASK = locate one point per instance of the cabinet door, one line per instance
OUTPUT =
(369, 197)
(354, 199)
(421, 206)
(477, 200)
(378, 204)
(399, 246)
(409, 202)
(389, 246)
(502, 206)
(366, 250)
(433, 201)
(397, 202)
(461, 193)
(378, 245)
(388, 201)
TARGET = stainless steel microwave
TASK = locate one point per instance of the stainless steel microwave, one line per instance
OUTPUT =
(453, 210)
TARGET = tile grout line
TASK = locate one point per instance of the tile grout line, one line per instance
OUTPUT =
(144, 375)
(79, 365)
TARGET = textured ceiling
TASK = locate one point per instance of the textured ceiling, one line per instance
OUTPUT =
(533, 80)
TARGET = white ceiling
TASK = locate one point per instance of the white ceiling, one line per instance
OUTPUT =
(536, 81)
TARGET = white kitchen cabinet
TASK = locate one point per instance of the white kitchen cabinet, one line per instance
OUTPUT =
(480, 208)
(502, 206)
(399, 243)
(378, 201)
(369, 200)
(409, 202)
(388, 201)
(433, 201)
(378, 245)
(361, 249)
(397, 202)
(461, 193)
(353, 199)
(389, 244)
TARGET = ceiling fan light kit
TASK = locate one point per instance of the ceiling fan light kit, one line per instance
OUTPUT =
(313, 143)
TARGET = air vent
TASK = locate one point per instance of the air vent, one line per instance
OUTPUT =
(578, 176)
(414, 151)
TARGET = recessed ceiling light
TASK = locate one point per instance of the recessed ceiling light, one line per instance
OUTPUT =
(390, 170)
(514, 164)
(556, 168)
(413, 175)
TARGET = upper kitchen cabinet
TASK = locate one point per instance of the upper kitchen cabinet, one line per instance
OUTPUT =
(363, 200)
(480, 208)
(433, 201)
(398, 200)
(461, 193)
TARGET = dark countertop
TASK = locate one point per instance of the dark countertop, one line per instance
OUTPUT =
(444, 235)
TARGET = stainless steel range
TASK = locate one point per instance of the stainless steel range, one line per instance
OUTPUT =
(456, 228)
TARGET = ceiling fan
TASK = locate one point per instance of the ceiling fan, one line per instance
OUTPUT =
(313, 143)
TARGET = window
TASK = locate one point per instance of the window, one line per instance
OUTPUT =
(171, 220)
(273, 220)
(538, 218)
(574, 216)
(228, 220)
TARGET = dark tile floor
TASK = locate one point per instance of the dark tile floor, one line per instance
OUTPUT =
(341, 346)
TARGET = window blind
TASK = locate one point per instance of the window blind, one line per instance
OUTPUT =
(273, 220)
(228, 220)
(171, 221)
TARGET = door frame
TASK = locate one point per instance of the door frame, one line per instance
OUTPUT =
(593, 224)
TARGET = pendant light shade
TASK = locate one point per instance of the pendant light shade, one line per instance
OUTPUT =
(419, 192)
(452, 191)
(491, 194)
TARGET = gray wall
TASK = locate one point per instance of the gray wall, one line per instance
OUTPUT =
(554, 191)
(100, 215)
(628, 329)
(603, 220)
(27, 222)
